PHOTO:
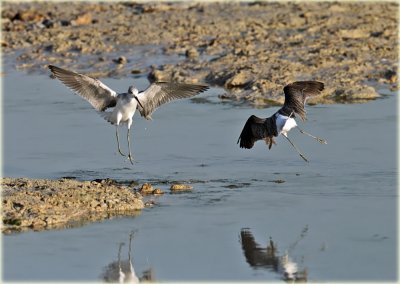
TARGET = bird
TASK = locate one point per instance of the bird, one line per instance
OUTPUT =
(124, 105)
(123, 270)
(282, 121)
(268, 257)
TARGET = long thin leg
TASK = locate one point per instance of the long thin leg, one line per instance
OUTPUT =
(116, 134)
(121, 273)
(320, 140)
(129, 146)
(298, 151)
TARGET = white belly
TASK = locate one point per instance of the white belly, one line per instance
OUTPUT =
(125, 111)
(284, 124)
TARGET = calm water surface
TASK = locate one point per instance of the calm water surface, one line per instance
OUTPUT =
(334, 217)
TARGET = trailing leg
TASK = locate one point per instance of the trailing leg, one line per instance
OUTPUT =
(298, 151)
(320, 140)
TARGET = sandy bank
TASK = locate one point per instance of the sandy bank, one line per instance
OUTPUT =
(45, 204)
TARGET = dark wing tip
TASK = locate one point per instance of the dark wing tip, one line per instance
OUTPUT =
(54, 68)
(57, 71)
(246, 138)
(306, 86)
(296, 94)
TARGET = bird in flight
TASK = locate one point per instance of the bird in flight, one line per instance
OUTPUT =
(124, 105)
(283, 120)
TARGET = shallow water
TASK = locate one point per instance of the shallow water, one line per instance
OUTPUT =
(336, 217)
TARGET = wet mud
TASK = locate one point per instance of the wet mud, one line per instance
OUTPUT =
(250, 49)
(35, 204)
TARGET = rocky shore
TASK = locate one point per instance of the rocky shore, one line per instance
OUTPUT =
(252, 49)
(36, 204)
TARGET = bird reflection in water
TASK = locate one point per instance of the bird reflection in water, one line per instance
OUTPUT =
(269, 258)
(122, 271)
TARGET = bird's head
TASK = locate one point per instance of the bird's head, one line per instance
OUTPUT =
(133, 91)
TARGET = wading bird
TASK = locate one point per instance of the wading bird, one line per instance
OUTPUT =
(283, 120)
(124, 105)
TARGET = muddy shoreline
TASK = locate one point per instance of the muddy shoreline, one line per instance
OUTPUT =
(42, 204)
(251, 49)
(38, 204)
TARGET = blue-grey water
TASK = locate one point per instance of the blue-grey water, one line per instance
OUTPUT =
(336, 216)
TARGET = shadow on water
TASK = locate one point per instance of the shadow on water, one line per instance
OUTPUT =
(123, 271)
(269, 257)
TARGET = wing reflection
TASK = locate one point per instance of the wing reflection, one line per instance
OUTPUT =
(122, 271)
(268, 258)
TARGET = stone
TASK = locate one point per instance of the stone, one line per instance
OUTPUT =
(157, 191)
(83, 19)
(239, 80)
(146, 188)
(192, 53)
(121, 60)
(28, 16)
(354, 34)
(180, 187)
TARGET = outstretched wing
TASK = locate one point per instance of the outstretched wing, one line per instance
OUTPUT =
(296, 94)
(163, 92)
(95, 92)
(253, 130)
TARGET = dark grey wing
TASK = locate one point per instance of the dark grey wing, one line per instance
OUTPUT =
(257, 256)
(253, 130)
(163, 92)
(95, 92)
(296, 95)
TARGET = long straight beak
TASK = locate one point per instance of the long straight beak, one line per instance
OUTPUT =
(138, 102)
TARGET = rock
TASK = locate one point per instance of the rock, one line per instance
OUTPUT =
(239, 80)
(121, 60)
(354, 34)
(356, 93)
(277, 181)
(136, 71)
(159, 75)
(146, 188)
(180, 187)
(106, 181)
(192, 53)
(83, 19)
(390, 75)
(149, 203)
(48, 23)
(157, 191)
(65, 23)
(28, 16)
